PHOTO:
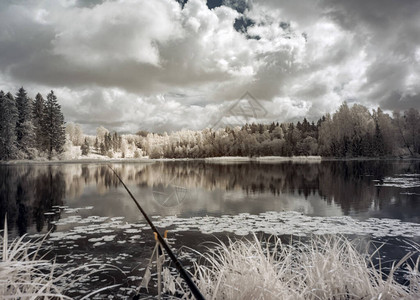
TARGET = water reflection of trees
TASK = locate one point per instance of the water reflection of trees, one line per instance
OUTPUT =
(351, 185)
(347, 183)
(27, 193)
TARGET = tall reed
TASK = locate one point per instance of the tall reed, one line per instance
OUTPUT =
(323, 268)
(25, 274)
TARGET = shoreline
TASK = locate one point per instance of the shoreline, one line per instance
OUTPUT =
(262, 159)
(221, 159)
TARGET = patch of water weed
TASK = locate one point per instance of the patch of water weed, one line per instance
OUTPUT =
(404, 181)
(292, 223)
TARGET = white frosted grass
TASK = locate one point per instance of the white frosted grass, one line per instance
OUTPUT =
(292, 223)
(24, 274)
(326, 268)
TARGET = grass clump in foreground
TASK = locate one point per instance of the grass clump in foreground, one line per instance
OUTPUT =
(323, 268)
(24, 274)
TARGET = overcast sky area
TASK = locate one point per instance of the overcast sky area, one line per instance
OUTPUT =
(164, 65)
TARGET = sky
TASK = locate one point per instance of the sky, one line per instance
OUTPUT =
(166, 65)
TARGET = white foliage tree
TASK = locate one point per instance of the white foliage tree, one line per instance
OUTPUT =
(100, 133)
(75, 133)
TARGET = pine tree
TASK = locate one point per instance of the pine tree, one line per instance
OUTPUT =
(52, 125)
(37, 113)
(108, 141)
(378, 141)
(96, 145)
(24, 126)
(85, 147)
(8, 118)
(115, 142)
(102, 148)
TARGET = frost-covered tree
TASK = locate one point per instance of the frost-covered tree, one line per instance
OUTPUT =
(363, 129)
(37, 113)
(25, 130)
(8, 119)
(116, 142)
(325, 136)
(387, 130)
(75, 133)
(277, 133)
(400, 125)
(78, 139)
(53, 125)
(412, 129)
(100, 133)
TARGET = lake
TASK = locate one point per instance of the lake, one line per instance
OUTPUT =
(92, 219)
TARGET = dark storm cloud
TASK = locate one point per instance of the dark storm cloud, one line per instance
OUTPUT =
(389, 30)
(21, 38)
(88, 3)
(400, 102)
(379, 15)
(55, 71)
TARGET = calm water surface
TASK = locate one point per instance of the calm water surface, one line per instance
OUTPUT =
(92, 218)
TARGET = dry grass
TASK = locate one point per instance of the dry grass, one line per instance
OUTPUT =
(324, 268)
(26, 275)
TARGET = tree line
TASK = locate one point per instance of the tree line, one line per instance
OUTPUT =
(349, 132)
(30, 128)
(35, 128)
(105, 143)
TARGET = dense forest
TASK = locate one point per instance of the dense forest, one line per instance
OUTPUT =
(35, 128)
(30, 128)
